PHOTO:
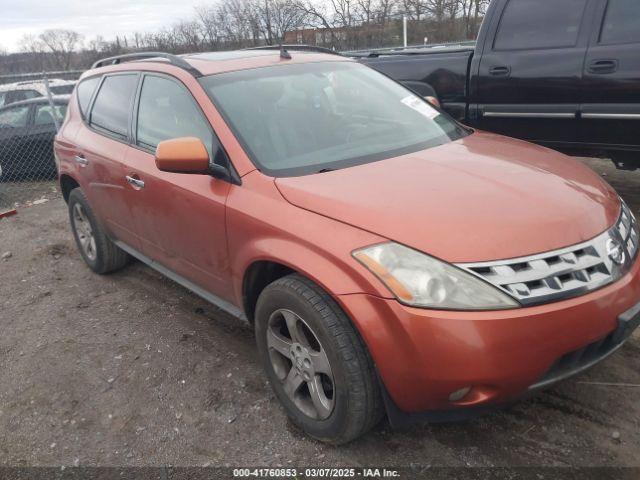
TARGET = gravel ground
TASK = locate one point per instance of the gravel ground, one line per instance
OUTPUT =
(131, 369)
(21, 193)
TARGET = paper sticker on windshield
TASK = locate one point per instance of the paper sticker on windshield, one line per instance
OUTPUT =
(420, 106)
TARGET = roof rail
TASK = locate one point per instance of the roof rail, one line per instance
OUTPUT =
(130, 57)
(298, 47)
(413, 49)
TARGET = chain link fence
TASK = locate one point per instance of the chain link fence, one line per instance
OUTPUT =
(32, 107)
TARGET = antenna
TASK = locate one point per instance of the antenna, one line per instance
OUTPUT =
(284, 55)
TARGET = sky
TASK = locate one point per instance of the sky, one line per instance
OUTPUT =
(107, 18)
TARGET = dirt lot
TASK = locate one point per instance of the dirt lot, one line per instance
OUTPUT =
(19, 193)
(131, 369)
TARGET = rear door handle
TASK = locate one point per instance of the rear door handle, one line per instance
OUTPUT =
(80, 160)
(603, 66)
(136, 182)
(500, 71)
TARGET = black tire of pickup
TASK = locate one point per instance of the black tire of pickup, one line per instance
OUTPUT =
(626, 160)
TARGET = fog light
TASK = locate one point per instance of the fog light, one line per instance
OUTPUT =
(459, 394)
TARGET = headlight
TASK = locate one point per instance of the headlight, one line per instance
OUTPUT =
(419, 280)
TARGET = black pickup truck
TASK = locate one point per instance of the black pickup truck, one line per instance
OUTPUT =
(562, 73)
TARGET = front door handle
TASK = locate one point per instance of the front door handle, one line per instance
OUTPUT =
(136, 182)
(80, 160)
(500, 71)
(603, 66)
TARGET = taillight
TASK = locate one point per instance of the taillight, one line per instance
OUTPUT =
(433, 101)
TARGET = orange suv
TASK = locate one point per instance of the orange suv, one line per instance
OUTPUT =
(391, 259)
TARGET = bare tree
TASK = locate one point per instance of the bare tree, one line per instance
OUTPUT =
(237, 23)
(479, 10)
(30, 44)
(206, 19)
(61, 43)
(34, 51)
(276, 17)
(187, 35)
(415, 9)
(464, 17)
(319, 16)
(374, 16)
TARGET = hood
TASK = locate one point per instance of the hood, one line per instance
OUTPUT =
(482, 198)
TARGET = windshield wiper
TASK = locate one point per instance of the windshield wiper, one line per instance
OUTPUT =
(325, 170)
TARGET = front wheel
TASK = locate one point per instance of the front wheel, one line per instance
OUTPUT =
(316, 362)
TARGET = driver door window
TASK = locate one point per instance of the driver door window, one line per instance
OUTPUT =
(166, 110)
(14, 117)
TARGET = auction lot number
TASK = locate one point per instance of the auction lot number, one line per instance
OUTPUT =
(315, 473)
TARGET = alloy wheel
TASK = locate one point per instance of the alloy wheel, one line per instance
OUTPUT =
(83, 230)
(301, 364)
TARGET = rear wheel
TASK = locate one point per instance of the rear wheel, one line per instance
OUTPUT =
(97, 250)
(316, 362)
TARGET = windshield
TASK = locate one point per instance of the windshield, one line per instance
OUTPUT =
(305, 118)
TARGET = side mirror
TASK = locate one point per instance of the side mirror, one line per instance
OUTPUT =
(433, 101)
(183, 155)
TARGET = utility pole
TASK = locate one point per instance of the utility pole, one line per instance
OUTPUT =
(404, 29)
(54, 113)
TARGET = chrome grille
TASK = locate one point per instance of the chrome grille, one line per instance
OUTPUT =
(567, 272)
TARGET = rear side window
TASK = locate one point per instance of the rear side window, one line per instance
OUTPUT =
(621, 22)
(167, 110)
(85, 92)
(19, 95)
(110, 112)
(31, 94)
(532, 24)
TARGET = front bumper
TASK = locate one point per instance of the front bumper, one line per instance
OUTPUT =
(423, 356)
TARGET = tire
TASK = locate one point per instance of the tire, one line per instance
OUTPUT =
(102, 255)
(349, 392)
(624, 160)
